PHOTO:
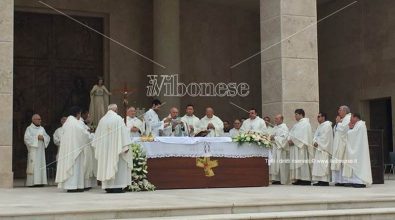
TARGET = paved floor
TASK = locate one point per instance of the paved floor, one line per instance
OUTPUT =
(48, 199)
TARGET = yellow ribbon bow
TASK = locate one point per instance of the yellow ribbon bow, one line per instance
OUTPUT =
(207, 164)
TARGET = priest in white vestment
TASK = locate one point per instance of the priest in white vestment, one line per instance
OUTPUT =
(254, 123)
(70, 172)
(301, 151)
(339, 144)
(211, 124)
(236, 129)
(173, 125)
(36, 141)
(111, 143)
(190, 120)
(151, 118)
(56, 135)
(134, 124)
(279, 166)
(323, 142)
(269, 125)
(357, 171)
(90, 163)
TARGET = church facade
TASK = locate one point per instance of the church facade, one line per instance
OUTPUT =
(273, 55)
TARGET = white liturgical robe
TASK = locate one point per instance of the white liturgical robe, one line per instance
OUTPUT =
(321, 164)
(70, 172)
(90, 163)
(56, 136)
(152, 122)
(176, 127)
(191, 122)
(56, 139)
(36, 172)
(301, 152)
(255, 125)
(269, 130)
(234, 132)
(358, 169)
(218, 126)
(134, 122)
(111, 143)
(279, 166)
(339, 147)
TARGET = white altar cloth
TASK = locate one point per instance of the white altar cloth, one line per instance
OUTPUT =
(200, 147)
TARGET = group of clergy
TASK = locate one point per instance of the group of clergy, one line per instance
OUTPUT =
(84, 158)
(339, 154)
(189, 124)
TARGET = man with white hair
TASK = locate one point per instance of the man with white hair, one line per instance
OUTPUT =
(134, 125)
(339, 144)
(211, 124)
(111, 143)
(36, 140)
(172, 124)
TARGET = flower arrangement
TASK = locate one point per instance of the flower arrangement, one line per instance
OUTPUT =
(147, 138)
(139, 171)
(260, 139)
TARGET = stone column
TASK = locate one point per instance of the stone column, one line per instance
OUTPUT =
(6, 75)
(167, 43)
(290, 68)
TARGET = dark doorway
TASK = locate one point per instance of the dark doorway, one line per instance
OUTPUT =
(381, 118)
(56, 62)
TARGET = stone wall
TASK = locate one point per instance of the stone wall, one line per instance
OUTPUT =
(6, 69)
(289, 58)
(213, 38)
(356, 55)
(129, 22)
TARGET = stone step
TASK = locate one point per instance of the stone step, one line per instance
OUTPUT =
(339, 214)
(354, 209)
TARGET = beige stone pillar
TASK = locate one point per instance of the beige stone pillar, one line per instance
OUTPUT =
(167, 44)
(6, 75)
(289, 69)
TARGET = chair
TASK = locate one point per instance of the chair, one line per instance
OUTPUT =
(391, 165)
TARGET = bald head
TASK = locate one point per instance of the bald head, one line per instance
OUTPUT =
(279, 119)
(209, 112)
(36, 120)
(174, 112)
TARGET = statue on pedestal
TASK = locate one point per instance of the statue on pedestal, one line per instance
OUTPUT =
(99, 101)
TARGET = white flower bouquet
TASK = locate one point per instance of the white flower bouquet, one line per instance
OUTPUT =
(139, 171)
(257, 138)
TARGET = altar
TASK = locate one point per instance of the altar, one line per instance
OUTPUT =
(205, 162)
